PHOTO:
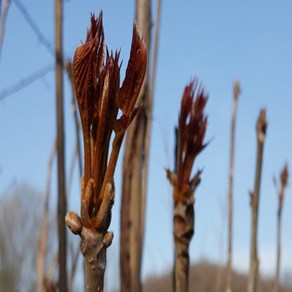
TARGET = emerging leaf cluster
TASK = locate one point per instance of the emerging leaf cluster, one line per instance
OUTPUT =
(96, 75)
(192, 125)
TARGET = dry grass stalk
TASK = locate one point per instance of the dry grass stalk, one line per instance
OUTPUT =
(96, 74)
(192, 125)
(41, 258)
(62, 200)
(261, 127)
(236, 92)
(283, 184)
(51, 285)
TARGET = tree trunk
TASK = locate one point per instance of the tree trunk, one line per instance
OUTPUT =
(236, 91)
(62, 202)
(255, 196)
(135, 170)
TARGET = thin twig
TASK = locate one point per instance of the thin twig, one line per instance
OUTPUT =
(26, 82)
(34, 27)
(62, 202)
(75, 257)
(284, 182)
(148, 111)
(175, 170)
(255, 196)
(155, 53)
(45, 225)
(4, 13)
(236, 92)
(48, 281)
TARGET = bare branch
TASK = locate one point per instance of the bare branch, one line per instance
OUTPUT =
(62, 198)
(283, 184)
(34, 27)
(4, 13)
(154, 54)
(26, 82)
(236, 92)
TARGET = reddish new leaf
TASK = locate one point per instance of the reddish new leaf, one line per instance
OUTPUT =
(135, 73)
(192, 127)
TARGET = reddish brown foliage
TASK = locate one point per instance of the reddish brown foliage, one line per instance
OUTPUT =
(96, 74)
(192, 126)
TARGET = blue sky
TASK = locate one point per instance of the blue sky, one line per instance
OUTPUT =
(218, 42)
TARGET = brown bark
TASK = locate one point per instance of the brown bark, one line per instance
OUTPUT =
(183, 230)
(135, 170)
(93, 248)
(255, 197)
(236, 91)
(62, 202)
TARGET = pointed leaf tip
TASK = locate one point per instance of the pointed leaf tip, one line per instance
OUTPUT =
(87, 65)
(135, 73)
(192, 125)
